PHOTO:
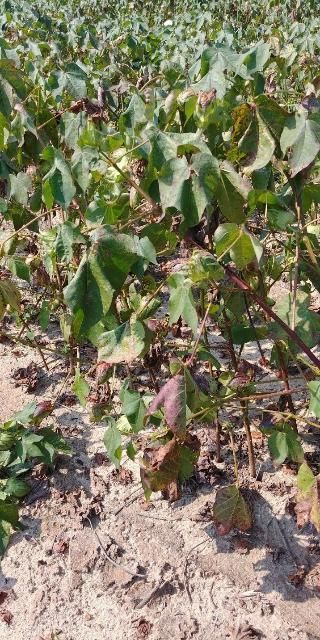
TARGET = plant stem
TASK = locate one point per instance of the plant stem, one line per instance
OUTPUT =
(284, 375)
(25, 226)
(246, 423)
(244, 286)
(230, 341)
(218, 438)
(253, 327)
(234, 455)
(201, 331)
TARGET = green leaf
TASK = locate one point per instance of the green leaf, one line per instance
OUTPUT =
(302, 134)
(80, 388)
(19, 268)
(232, 193)
(305, 478)
(58, 185)
(272, 114)
(285, 444)
(20, 186)
(230, 510)
(214, 79)
(16, 487)
(278, 446)
(112, 440)
(314, 390)
(280, 218)
(131, 451)
(102, 272)
(74, 80)
(172, 183)
(258, 143)
(203, 268)
(44, 316)
(181, 302)
(53, 440)
(125, 343)
(68, 234)
(242, 245)
(90, 292)
(307, 323)
(9, 513)
(242, 335)
(12, 84)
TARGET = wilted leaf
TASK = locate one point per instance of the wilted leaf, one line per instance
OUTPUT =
(230, 510)
(172, 397)
(9, 296)
(308, 502)
(168, 463)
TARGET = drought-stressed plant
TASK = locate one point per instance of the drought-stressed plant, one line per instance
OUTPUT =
(158, 175)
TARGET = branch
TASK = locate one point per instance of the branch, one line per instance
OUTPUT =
(244, 286)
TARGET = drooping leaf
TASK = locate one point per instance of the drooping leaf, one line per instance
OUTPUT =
(230, 510)
(181, 302)
(80, 387)
(302, 134)
(68, 234)
(58, 185)
(308, 499)
(19, 268)
(20, 187)
(259, 145)
(314, 390)
(172, 397)
(285, 444)
(112, 441)
(9, 296)
(305, 478)
(232, 193)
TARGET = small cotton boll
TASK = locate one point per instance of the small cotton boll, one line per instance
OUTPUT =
(168, 23)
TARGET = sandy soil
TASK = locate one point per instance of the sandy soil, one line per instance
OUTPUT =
(94, 561)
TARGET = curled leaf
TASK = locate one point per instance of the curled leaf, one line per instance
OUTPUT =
(168, 463)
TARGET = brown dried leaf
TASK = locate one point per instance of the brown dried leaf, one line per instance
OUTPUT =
(27, 376)
(102, 372)
(297, 577)
(168, 463)
(143, 628)
(308, 503)
(245, 631)
(60, 547)
(6, 616)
